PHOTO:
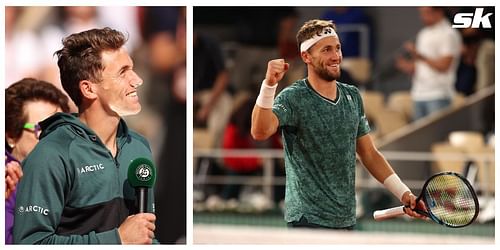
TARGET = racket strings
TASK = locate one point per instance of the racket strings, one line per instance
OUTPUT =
(450, 200)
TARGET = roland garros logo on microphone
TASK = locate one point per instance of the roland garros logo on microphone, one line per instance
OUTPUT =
(143, 172)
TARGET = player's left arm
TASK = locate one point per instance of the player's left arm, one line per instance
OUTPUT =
(381, 170)
(372, 159)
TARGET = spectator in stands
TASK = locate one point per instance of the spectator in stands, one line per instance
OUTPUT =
(481, 42)
(467, 72)
(210, 81)
(22, 52)
(27, 102)
(237, 136)
(432, 61)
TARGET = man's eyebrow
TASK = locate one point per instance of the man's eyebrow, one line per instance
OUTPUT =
(124, 68)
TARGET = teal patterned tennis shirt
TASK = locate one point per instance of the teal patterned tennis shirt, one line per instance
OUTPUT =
(319, 137)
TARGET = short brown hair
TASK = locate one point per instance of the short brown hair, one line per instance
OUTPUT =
(80, 57)
(25, 90)
(311, 28)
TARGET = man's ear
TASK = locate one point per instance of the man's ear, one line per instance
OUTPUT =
(306, 57)
(88, 89)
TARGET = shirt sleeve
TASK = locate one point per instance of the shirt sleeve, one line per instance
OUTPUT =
(40, 202)
(363, 125)
(450, 44)
(283, 109)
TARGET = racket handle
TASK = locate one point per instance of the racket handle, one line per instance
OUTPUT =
(388, 213)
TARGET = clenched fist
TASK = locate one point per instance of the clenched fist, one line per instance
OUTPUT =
(276, 69)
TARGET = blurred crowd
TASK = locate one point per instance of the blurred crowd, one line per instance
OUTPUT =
(156, 43)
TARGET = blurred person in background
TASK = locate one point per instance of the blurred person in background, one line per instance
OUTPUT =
(27, 102)
(212, 101)
(478, 47)
(477, 62)
(70, 19)
(22, 51)
(237, 136)
(83, 178)
(323, 126)
(467, 72)
(164, 32)
(432, 61)
(260, 39)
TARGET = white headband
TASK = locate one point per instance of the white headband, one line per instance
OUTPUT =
(326, 32)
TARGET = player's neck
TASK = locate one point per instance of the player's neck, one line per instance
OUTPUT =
(325, 88)
(104, 125)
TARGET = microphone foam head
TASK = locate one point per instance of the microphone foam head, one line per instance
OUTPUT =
(141, 173)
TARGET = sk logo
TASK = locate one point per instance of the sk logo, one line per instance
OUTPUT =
(472, 20)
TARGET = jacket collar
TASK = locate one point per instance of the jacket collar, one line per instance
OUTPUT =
(65, 119)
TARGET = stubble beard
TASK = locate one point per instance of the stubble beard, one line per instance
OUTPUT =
(324, 74)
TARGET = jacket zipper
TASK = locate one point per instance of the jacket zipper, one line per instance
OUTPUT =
(117, 166)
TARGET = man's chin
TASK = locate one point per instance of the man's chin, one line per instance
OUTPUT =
(335, 74)
(126, 112)
(335, 77)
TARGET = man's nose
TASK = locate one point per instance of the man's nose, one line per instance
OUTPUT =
(137, 81)
(337, 56)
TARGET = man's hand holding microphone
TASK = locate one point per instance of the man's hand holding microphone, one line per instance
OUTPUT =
(139, 228)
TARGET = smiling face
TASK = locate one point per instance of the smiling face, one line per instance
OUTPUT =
(118, 90)
(325, 57)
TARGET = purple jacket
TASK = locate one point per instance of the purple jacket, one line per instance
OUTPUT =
(10, 207)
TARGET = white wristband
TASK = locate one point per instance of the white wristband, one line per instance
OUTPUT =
(396, 186)
(266, 95)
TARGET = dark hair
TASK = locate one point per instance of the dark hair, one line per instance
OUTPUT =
(80, 58)
(28, 89)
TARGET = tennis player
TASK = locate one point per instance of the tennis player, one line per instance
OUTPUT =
(323, 126)
(75, 189)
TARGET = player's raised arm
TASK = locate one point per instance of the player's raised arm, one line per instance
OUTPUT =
(264, 121)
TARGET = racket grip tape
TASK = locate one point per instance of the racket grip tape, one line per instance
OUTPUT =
(388, 213)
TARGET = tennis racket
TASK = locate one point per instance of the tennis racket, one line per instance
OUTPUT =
(449, 200)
